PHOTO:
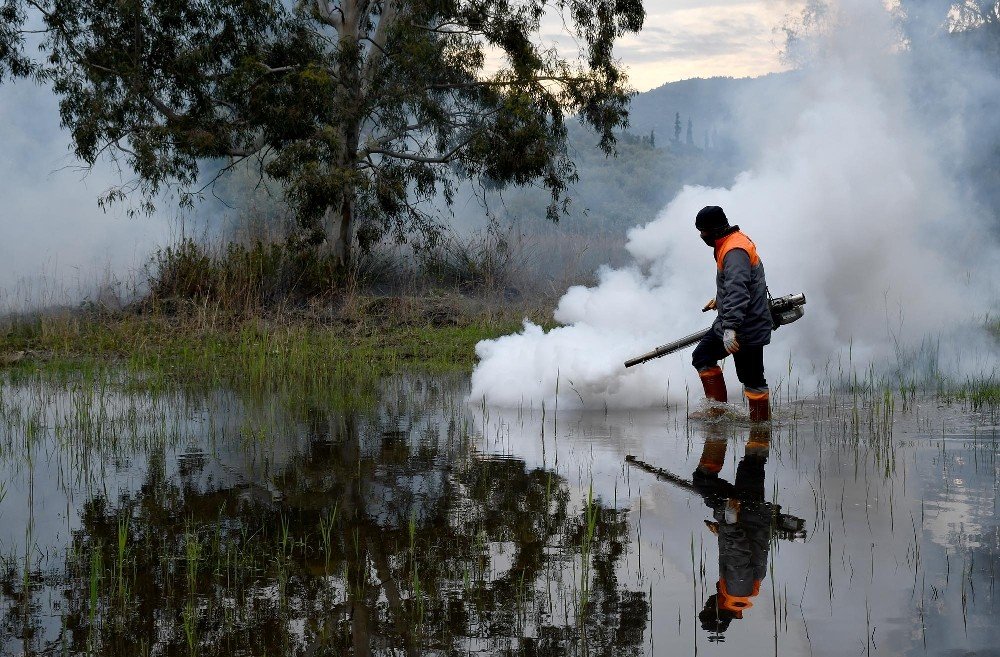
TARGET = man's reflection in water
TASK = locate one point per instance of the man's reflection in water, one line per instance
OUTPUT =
(744, 523)
(743, 520)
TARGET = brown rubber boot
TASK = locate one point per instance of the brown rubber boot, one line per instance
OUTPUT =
(760, 404)
(714, 384)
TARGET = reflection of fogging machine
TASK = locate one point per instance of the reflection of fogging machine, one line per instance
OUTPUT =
(784, 526)
(784, 310)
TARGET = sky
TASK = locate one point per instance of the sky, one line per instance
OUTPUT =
(703, 38)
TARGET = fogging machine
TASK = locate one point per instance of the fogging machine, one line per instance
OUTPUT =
(783, 525)
(784, 310)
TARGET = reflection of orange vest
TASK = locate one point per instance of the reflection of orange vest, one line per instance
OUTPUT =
(735, 603)
(732, 241)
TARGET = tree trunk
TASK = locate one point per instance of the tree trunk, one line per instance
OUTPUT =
(339, 227)
(353, 73)
(340, 232)
(340, 221)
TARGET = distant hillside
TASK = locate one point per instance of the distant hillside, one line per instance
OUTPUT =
(708, 102)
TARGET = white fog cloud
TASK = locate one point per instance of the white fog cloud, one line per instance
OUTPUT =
(58, 245)
(850, 202)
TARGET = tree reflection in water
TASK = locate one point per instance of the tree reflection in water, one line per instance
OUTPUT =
(373, 540)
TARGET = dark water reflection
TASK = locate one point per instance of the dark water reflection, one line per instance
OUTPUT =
(223, 530)
(204, 524)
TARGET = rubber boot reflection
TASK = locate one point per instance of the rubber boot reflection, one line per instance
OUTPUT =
(744, 523)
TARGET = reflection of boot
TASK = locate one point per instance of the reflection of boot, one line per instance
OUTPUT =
(714, 383)
(760, 404)
(760, 441)
(713, 455)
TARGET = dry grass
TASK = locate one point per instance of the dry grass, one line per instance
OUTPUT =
(262, 276)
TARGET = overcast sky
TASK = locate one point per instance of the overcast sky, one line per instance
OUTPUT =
(703, 38)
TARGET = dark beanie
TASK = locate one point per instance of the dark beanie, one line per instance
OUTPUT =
(711, 218)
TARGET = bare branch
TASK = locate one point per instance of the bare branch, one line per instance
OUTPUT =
(440, 29)
(399, 134)
(253, 149)
(281, 69)
(330, 14)
(440, 159)
(505, 83)
(221, 172)
(270, 70)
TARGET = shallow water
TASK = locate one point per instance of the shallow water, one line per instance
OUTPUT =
(218, 523)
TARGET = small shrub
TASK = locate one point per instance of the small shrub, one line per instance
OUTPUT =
(240, 278)
(183, 271)
(479, 262)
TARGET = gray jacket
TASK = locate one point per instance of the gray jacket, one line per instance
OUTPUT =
(744, 546)
(741, 298)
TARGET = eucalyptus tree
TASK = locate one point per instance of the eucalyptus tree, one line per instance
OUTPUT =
(13, 62)
(361, 109)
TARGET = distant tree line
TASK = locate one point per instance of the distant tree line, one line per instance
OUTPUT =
(689, 135)
(614, 194)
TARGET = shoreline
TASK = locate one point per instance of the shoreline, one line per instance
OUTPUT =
(302, 351)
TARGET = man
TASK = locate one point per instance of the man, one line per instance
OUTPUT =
(744, 323)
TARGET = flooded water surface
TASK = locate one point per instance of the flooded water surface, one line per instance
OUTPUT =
(405, 520)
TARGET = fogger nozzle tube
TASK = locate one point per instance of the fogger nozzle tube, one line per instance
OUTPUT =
(668, 348)
(784, 310)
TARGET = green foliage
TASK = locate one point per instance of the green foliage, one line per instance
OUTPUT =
(247, 279)
(300, 361)
(13, 63)
(362, 109)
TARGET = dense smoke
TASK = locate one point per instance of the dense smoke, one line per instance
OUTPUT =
(58, 245)
(851, 200)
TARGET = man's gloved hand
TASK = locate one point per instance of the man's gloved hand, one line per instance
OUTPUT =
(709, 306)
(729, 341)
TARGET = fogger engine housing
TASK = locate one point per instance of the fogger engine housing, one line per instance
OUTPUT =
(787, 309)
(784, 310)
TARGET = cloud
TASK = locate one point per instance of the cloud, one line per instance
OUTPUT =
(697, 38)
(704, 39)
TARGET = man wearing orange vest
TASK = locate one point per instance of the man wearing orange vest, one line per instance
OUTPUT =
(744, 323)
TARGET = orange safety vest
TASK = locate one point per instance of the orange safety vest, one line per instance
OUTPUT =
(735, 240)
